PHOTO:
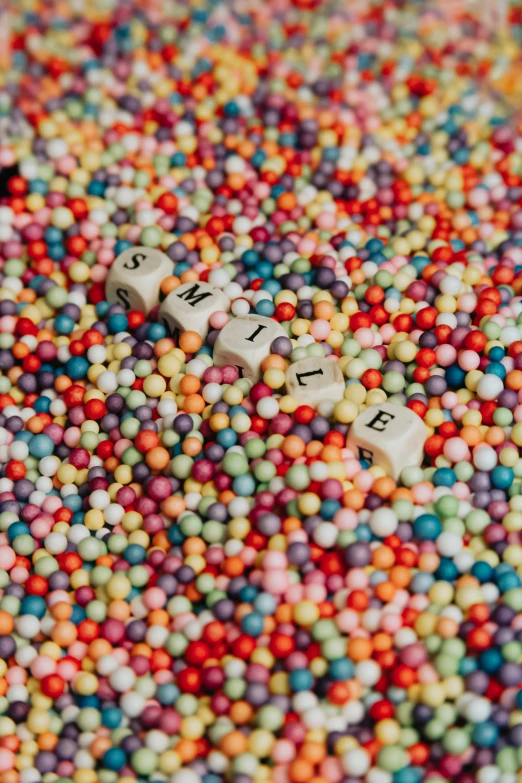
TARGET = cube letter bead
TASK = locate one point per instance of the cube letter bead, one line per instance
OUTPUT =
(135, 277)
(390, 436)
(315, 380)
(244, 342)
(190, 306)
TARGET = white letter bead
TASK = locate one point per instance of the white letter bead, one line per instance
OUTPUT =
(135, 277)
(244, 342)
(315, 380)
(390, 436)
(190, 306)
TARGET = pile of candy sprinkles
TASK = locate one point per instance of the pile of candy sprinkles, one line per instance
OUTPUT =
(199, 581)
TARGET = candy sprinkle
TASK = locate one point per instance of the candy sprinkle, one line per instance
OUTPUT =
(200, 582)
